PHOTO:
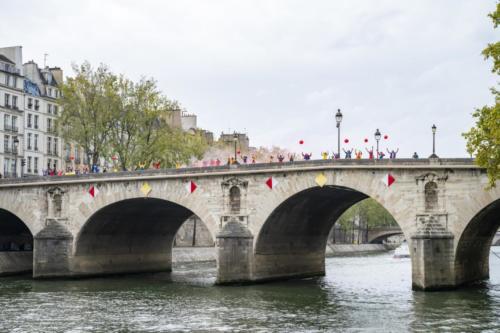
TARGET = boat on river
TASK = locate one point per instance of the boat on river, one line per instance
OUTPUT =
(402, 251)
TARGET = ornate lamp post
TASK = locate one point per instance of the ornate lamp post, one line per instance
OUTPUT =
(235, 140)
(434, 128)
(377, 138)
(338, 119)
(15, 144)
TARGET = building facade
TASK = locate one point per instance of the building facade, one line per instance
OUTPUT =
(28, 116)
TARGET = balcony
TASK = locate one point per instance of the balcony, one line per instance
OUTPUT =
(37, 107)
(52, 130)
(7, 106)
(10, 128)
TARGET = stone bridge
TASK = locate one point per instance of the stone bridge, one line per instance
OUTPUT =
(270, 221)
(377, 235)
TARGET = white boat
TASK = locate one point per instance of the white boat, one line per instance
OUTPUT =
(402, 251)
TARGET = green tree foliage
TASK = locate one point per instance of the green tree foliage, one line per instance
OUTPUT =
(367, 213)
(483, 140)
(111, 116)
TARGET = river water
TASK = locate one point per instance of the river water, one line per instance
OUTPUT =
(369, 293)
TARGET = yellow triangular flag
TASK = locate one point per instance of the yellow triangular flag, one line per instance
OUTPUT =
(145, 189)
(321, 179)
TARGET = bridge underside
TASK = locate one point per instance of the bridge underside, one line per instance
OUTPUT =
(292, 241)
(473, 249)
(16, 244)
(130, 236)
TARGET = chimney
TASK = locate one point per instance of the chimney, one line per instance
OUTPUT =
(57, 73)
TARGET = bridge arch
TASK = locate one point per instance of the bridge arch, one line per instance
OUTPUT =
(292, 240)
(473, 246)
(129, 235)
(16, 244)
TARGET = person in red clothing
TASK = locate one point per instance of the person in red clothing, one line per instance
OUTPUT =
(370, 153)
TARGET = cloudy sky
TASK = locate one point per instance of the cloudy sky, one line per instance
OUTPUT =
(280, 69)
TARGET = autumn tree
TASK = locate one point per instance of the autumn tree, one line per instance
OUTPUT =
(483, 140)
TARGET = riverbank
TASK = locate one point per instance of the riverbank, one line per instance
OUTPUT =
(200, 254)
(339, 250)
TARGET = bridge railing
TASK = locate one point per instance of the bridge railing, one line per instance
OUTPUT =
(342, 163)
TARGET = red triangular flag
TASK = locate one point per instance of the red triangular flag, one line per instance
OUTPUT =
(191, 186)
(388, 180)
(271, 182)
(93, 191)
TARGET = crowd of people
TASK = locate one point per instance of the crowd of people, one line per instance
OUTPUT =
(241, 159)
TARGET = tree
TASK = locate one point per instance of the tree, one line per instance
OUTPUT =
(483, 140)
(115, 118)
(85, 116)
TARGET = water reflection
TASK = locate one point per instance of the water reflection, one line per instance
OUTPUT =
(358, 293)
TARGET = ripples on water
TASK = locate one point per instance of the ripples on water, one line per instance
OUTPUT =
(371, 293)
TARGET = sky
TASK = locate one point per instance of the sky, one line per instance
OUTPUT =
(279, 70)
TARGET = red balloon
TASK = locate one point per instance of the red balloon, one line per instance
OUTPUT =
(366, 140)
(301, 142)
(346, 140)
(386, 137)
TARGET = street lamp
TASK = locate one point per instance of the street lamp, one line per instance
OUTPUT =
(15, 143)
(377, 138)
(338, 118)
(434, 128)
(235, 140)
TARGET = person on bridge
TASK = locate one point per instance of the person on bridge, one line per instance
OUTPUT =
(245, 159)
(335, 156)
(307, 156)
(392, 153)
(370, 153)
(254, 159)
(381, 155)
(415, 155)
(291, 157)
(281, 158)
(324, 155)
(217, 162)
(359, 154)
(348, 153)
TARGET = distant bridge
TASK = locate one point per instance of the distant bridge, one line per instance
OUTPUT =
(377, 235)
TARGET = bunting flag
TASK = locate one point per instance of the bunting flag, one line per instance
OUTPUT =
(320, 179)
(271, 182)
(191, 186)
(146, 189)
(93, 191)
(388, 180)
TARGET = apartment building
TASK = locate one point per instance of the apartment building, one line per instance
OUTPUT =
(28, 116)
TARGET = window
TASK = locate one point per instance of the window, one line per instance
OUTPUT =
(29, 141)
(49, 125)
(7, 100)
(55, 110)
(49, 108)
(56, 146)
(37, 104)
(7, 77)
(14, 123)
(35, 146)
(6, 122)
(29, 164)
(36, 122)
(35, 165)
(14, 81)
(14, 102)
(6, 140)
(50, 91)
(30, 103)
(49, 145)
(30, 118)
(6, 163)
